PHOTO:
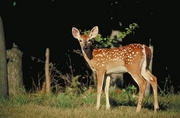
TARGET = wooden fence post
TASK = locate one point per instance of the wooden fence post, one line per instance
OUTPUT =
(47, 73)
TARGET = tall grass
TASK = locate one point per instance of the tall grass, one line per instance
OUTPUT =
(83, 105)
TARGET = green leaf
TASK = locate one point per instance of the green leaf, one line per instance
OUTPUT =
(14, 3)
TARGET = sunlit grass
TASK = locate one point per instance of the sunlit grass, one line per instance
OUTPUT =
(67, 105)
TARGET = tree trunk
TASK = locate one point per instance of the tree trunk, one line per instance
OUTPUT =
(3, 64)
(15, 76)
(117, 80)
(148, 90)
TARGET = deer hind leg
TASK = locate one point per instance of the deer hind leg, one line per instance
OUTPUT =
(153, 81)
(100, 79)
(142, 86)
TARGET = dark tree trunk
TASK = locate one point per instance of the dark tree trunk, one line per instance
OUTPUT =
(14, 66)
(3, 64)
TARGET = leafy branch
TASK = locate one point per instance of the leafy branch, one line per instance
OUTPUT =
(108, 41)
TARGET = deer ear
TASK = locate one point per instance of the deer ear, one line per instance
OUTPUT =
(75, 33)
(94, 32)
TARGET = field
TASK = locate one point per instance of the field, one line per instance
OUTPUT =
(70, 105)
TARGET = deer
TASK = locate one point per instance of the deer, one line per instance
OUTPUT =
(131, 58)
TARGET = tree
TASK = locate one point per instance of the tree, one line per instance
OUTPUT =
(3, 64)
(14, 71)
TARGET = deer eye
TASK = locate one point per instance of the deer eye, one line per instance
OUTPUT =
(89, 41)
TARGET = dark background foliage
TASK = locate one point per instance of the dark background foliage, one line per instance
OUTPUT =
(35, 25)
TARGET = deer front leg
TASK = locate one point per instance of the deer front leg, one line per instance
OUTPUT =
(107, 92)
(100, 79)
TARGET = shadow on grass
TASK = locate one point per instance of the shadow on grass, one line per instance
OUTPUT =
(114, 103)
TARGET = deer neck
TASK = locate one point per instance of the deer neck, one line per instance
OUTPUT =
(87, 53)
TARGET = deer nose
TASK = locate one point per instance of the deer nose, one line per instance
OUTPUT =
(85, 47)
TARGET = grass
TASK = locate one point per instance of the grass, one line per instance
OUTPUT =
(70, 105)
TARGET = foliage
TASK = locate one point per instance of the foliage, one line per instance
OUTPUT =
(108, 41)
(14, 3)
(168, 87)
(60, 81)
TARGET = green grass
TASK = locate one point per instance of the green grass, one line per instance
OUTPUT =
(69, 105)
